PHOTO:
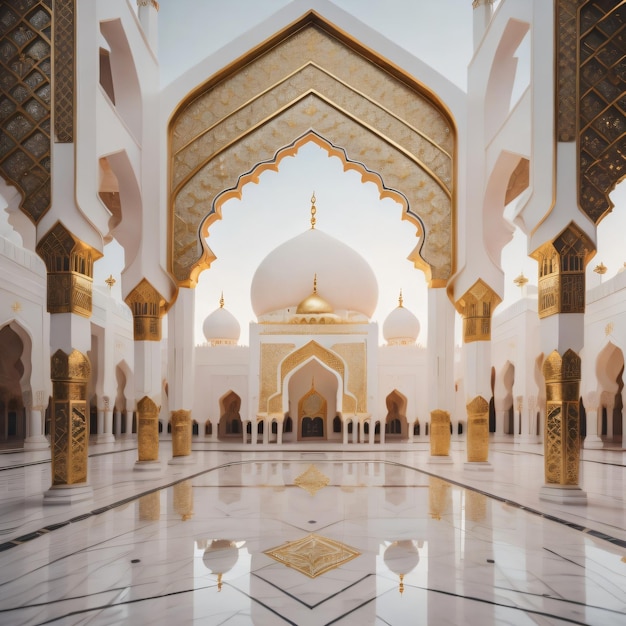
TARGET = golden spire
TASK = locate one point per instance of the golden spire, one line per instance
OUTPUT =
(222, 300)
(600, 269)
(110, 281)
(313, 211)
(401, 588)
(315, 283)
(521, 280)
(400, 300)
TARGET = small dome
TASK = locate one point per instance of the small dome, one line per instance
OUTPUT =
(401, 327)
(221, 327)
(314, 304)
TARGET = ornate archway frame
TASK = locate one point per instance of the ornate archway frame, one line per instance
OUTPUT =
(312, 82)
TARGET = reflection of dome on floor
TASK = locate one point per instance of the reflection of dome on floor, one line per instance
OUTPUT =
(283, 279)
(402, 557)
(220, 557)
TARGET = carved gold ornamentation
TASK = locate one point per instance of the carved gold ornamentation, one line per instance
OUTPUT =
(439, 433)
(69, 426)
(271, 356)
(354, 355)
(181, 433)
(601, 110)
(69, 263)
(310, 76)
(147, 430)
(477, 306)
(313, 555)
(183, 500)
(566, 69)
(477, 430)
(561, 265)
(148, 307)
(25, 79)
(150, 507)
(562, 425)
(64, 53)
(312, 480)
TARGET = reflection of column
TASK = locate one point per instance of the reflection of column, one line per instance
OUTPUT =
(610, 406)
(478, 434)
(117, 422)
(105, 432)
(344, 428)
(183, 500)
(69, 427)
(150, 507)
(592, 440)
(562, 430)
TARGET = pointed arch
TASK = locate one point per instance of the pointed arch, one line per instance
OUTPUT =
(311, 82)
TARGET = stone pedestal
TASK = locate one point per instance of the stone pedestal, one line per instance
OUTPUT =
(147, 430)
(181, 433)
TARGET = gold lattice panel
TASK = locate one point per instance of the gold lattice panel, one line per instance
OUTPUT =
(237, 124)
(312, 480)
(25, 96)
(566, 69)
(314, 555)
(64, 50)
(602, 106)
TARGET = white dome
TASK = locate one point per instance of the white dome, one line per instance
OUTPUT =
(221, 327)
(285, 277)
(401, 327)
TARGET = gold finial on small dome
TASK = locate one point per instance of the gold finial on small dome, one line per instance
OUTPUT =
(222, 300)
(400, 300)
(601, 268)
(315, 283)
(314, 304)
(110, 281)
(313, 211)
(521, 280)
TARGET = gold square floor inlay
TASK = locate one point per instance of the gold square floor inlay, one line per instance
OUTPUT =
(312, 480)
(313, 555)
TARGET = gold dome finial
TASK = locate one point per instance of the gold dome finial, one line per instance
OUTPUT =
(222, 300)
(315, 283)
(601, 268)
(400, 300)
(313, 211)
(401, 588)
(521, 280)
(110, 281)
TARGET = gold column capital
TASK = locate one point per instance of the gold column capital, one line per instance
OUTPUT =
(148, 307)
(476, 306)
(561, 265)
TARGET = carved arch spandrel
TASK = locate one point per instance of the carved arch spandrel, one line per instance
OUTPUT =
(311, 80)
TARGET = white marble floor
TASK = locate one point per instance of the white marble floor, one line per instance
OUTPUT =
(424, 543)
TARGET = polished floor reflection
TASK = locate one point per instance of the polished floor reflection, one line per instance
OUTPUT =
(313, 537)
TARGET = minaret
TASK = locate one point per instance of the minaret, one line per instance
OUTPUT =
(148, 11)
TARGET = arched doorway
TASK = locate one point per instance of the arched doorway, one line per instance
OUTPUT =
(396, 425)
(12, 413)
(230, 426)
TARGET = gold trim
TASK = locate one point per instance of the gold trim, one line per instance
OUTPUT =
(311, 480)
(181, 433)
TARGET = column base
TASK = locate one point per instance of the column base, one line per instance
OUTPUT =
(528, 439)
(68, 494)
(563, 494)
(478, 466)
(105, 438)
(181, 460)
(38, 442)
(442, 460)
(593, 442)
(148, 466)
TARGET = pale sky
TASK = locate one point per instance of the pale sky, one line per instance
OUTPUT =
(277, 208)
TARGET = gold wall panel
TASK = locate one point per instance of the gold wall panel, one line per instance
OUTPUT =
(354, 355)
(69, 428)
(64, 55)
(25, 97)
(562, 425)
(69, 263)
(477, 306)
(181, 433)
(439, 433)
(148, 307)
(310, 78)
(561, 266)
(601, 107)
(271, 356)
(478, 430)
(147, 430)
